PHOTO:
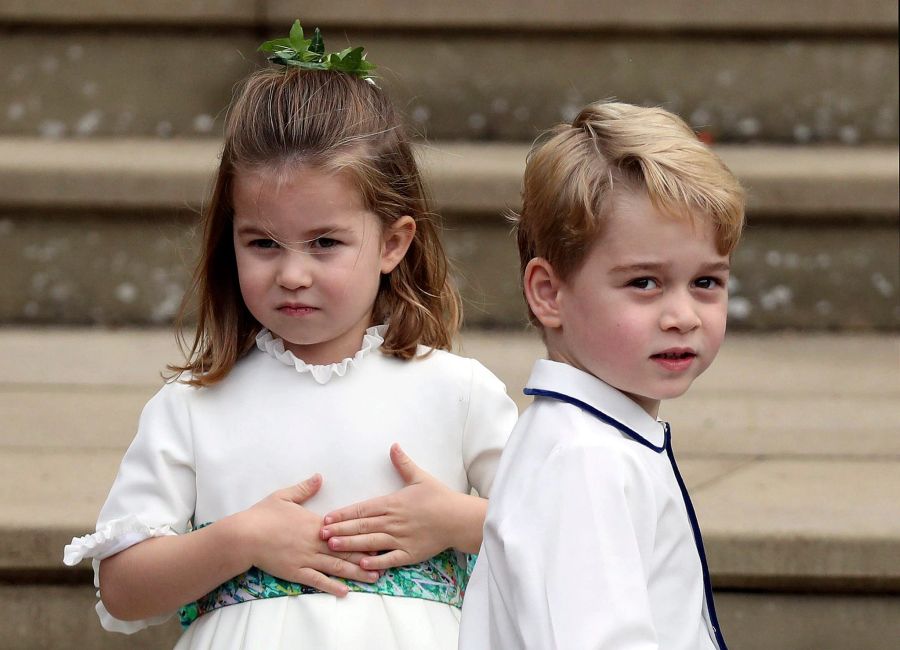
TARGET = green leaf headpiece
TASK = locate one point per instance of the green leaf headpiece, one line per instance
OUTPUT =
(310, 54)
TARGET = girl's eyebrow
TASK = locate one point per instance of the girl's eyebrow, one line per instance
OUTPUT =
(251, 229)
(309, 235)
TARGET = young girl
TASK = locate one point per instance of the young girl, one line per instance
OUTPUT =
(324, 314)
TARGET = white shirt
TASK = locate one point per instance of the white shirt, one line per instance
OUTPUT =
(588, 542)
(201, 454)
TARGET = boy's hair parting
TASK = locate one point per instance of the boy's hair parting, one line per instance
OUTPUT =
(574, 171)
(283, 120)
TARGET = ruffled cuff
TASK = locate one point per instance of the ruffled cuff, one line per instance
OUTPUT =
(111, 538)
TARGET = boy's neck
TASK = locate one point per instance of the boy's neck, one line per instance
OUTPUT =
(651, 406)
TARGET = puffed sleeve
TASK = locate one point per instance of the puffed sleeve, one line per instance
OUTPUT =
(153, 494)
(490, 419)
(568, 570)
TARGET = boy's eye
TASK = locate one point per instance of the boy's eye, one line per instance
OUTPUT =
(644, 283)
(264, 243)
(707, 283)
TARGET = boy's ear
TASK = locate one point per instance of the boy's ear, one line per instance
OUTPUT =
(541, 286)
(397, 239)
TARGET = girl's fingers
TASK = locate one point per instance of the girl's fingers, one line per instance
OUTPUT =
(363, 543)
(320, 581)
(335, 566)
(406, 468)
(385, 560)
(362, 526)
(348, 557)
(372, 508)
(303, 490)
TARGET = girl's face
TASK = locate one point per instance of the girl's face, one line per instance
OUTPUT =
(309, 258)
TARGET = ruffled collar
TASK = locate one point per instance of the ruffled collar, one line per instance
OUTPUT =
(274, 347)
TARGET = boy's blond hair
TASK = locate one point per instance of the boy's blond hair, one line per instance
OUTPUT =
(575, 170)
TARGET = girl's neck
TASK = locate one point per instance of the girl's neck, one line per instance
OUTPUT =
(328, 351)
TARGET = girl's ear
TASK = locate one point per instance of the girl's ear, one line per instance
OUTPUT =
(541, 285)
(396, 242)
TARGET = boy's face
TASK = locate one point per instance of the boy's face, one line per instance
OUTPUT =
(646, 311)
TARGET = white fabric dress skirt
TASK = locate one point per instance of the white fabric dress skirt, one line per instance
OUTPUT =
(201, 454)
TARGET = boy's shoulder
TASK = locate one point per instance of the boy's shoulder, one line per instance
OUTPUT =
(566, 432)
(581, 411)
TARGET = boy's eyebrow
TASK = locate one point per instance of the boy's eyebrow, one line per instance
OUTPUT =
(637, 268)
(640, 267)
(717, 266)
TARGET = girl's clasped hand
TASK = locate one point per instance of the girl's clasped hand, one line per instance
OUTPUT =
(410, 525)
(282, 539)
(359, 541)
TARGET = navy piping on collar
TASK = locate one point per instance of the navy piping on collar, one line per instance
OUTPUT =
(600, 415)
(689, 507)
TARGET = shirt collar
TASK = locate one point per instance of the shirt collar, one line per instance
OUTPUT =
(569, 384)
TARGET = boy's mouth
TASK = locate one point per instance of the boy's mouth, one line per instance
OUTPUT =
(676, 359)
(686, 354)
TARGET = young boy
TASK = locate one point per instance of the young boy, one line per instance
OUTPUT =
(627, 225)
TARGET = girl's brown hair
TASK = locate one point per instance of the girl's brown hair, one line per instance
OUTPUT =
(329, 121)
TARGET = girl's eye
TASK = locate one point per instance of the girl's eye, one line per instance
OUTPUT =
(325, 242)
(644, 283)
(264, 243)
(707, 283)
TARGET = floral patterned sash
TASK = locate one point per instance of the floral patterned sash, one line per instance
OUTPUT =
(442, 578)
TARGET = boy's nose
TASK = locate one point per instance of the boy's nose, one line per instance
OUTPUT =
(294, 271)
(680, 314)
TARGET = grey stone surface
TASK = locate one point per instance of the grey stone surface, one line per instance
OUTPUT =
(94, 82)
(651, 15)
(70, 401)
(465, 178)
(129, 12)
(583, 15)
(751, 621)
(788, 275)
(798, 621)
(103, 231)
(53, 617)
(778, 523)
(579, 15)
(495, 85)
(132, 268)
(802, 540)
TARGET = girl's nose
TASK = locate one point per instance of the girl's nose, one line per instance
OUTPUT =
(294, 271)
(680, 313)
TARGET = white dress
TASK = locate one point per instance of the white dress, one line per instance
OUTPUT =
(588, 541)
(201, 454)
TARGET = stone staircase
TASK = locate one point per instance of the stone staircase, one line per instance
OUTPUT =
(109, 115)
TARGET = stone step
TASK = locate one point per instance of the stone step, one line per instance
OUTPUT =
(796, 72)
(103, 230)
(787, 443)
(823, 16)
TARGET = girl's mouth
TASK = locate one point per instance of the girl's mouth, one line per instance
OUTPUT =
(296, 310)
